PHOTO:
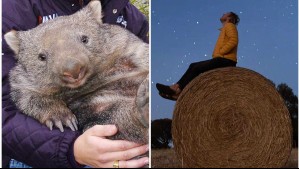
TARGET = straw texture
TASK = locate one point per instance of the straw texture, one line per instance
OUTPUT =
(231, 117)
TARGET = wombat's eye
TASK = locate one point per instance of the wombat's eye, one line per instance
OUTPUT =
(84, 39)
(42, 57)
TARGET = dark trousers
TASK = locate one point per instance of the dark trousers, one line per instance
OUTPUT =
(197, 68)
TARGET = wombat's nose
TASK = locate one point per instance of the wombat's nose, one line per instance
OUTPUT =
(73, 72)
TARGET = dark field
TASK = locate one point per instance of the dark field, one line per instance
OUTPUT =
(166, 158)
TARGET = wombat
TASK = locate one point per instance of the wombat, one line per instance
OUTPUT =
(78, 68)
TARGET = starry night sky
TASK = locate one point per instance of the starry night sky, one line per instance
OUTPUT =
(186, 31)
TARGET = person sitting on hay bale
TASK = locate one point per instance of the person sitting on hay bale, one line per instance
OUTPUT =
(224, 55)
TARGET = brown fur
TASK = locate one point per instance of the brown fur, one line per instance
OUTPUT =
(61, 77)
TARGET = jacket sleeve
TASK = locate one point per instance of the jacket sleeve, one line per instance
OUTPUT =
(137, 22)
(24, 138)
(144, 32)
(232, 33)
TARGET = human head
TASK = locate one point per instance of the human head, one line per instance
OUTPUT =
(230, 17)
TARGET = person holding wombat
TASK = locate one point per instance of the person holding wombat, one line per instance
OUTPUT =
(24, 138)
(224, 55)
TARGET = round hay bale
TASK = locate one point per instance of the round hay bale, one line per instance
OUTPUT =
(233, 118)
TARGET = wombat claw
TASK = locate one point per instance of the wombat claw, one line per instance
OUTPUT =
(71, 123)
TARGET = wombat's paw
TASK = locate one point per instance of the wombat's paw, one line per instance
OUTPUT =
(142, 101)
(68, 119)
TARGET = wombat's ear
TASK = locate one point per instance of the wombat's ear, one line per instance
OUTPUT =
(13, 40)
(142, 102)
(96, 8)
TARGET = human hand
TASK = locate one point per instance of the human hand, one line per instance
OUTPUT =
(94, 150)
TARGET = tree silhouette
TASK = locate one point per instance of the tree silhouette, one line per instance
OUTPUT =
(291, 101)
(161, 133)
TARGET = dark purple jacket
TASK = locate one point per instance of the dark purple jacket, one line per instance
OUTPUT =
(24, 138)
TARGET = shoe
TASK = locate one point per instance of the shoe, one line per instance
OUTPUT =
(165, 89)
(169, 97)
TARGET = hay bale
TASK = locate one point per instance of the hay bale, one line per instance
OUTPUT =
(231, 117)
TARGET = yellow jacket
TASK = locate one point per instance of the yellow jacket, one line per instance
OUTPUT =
(227, 43)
